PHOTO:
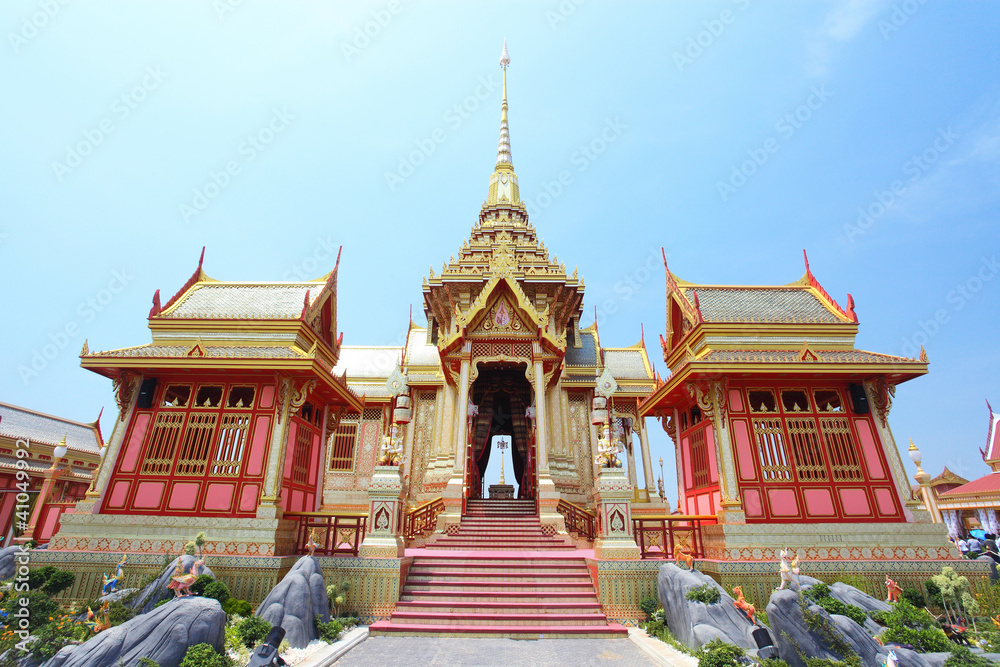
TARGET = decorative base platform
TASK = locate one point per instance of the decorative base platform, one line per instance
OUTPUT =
(501, 492)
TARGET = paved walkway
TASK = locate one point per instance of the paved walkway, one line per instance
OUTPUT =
(434, 652)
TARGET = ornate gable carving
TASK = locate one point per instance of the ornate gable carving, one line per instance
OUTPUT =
(502, 318)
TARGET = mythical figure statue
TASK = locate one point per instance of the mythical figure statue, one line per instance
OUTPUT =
(891, 660)
(680, 556)
(607, 450)
(744, 606)
(789, 571)
(311, 544)
(180, 582)
(893, 588)
(111, 583)
(392, 448)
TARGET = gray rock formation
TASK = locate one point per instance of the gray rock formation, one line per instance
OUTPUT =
(117, 595)
(163, 635)
(296, 600)
(156, 591)
(7, 563)
(695, 623)
(792, 635)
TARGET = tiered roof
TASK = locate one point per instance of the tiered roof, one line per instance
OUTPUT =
(714, 330)
(288, 327)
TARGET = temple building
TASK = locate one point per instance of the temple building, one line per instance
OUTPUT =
(46, 466)
(781, 425)
(247, 418)
(964, 505)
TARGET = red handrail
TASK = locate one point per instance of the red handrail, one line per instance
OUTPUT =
(657, 536)
(578, 520)
(421, 519)
(336, 534)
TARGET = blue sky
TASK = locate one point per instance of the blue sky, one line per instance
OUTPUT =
(734, 134)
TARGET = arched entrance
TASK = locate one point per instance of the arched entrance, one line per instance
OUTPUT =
(502, 394)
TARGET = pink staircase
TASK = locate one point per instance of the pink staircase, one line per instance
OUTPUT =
(499, 575)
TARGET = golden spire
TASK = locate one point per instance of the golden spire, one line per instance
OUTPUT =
(503, 182)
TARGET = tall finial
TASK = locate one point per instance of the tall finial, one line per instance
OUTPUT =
(503, 182)
(503, 151)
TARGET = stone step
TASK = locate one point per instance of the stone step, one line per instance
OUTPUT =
(509, 577)
(494, 585)
(492, 619)
(497, 596)
(509, 571)
(459, 606)
(382, 628)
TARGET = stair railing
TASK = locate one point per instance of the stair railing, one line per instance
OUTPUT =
(657, 536)
(578, 519)
(423, 518)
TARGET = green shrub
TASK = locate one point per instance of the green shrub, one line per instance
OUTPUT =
(913, 596)
(906, 624)
(706, 594)
(762, 617)
(217, 590)
(148, 662)
(252, 630)
(961, 656)
(203, 580)
(41, 607)
(718, 653)
(237, 607)
(827, 662)
(649, 605)
(51, 636)
(820, 594)
(204, 655)
(348, 621)
(773, 662)
(59, 581)
(38, 577)
(328, 632)
(162, 602)
(933, 594)
(118, 613)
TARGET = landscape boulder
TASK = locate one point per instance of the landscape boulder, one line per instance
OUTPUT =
(294, 603)
(146, 600)
(795, 638)
(696, 623)
(8, 565)
(163, 635)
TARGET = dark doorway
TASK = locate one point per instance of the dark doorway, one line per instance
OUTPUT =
(502, 394)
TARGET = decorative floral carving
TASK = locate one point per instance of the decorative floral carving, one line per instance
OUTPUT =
(882, 393)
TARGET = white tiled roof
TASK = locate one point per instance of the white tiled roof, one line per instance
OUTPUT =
(245, 301)
(626, 364)
(367, 361)
(18, 423)
(419, 352)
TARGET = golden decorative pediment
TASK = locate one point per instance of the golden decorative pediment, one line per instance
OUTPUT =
(502, 318)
